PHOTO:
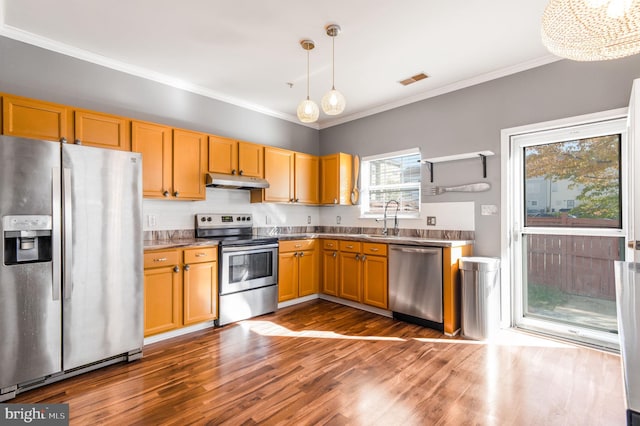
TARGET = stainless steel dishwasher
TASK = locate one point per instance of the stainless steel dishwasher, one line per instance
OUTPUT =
(415, 285)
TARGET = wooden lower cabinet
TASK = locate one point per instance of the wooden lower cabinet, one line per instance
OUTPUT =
(375, 290)
(297, 269)
(330, 269)
(180, 288)
(363, 273)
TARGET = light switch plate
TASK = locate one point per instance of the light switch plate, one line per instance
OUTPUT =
(488, 209)
(338, 220)
(431, 220)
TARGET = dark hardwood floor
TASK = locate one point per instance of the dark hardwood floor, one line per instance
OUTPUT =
(323, 363)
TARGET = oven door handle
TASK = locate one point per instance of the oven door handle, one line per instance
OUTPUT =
(249, 248)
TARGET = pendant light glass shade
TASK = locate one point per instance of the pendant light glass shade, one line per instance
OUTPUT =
(592, 30)
(307, 111)
(333, 102)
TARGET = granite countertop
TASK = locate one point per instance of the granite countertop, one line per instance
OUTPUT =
(387, 239)
(180, 242)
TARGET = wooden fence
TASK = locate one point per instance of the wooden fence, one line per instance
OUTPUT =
(579, 265)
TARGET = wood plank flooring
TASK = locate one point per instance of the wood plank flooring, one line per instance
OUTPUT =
(324, 363)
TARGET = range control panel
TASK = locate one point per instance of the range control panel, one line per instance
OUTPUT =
(224, 220)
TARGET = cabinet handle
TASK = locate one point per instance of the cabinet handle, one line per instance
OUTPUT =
(357, 257)
(349, 247)
(201, 254)
(374, 249)
(335, 254)
(187, 267)
(160, 259)
(363, 257)
(301, 253)
(330, 245)
(295, 254)
(233, 171)
(77, 142)
(176, 194)
(241, 172)
(335, 201)
(298, 245)
(297, 200)
(176, 269)
(291, 200)
(63, 140)
(165, 193)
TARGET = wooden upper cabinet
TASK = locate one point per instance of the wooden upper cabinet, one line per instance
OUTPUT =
(223, 155)
(35, 119)
(335, 179)
(250, 159)
(154, 142)
(307, 187)
(102, 130)
(189, 165)
(232, 157)
(279, 172)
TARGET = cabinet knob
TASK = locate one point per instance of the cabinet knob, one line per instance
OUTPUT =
(335, 254)
(357, 257)
(176, 269)
(296, 200)
(291, 200)
(241, 172)
(233, 171)
(187, 267)
(77, 142)
(165, 193)
(176, 194)
(63, 140)
(301, 253)
(335, 201)
(363, 257)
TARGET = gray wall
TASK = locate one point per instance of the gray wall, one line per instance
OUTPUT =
(471, 120)
(33, 72)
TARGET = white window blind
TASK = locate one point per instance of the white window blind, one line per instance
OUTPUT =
(393, 176)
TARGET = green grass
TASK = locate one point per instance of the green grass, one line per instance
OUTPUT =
(545, 297)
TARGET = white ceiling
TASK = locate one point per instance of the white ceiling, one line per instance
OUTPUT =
(246, 51)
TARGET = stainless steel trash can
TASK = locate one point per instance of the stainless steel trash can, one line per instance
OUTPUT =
(480, 296)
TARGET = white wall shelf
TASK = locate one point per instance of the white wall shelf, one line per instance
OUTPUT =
(482, 155)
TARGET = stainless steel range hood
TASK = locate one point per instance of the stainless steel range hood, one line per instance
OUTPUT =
(219, 180)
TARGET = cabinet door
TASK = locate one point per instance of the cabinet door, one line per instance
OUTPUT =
(223, 155)
(189, 165)
(162, 300)
(308, 273)
(307, 187)
(287, 276)
(200, 284)
(350, 276)
(250, 159)
(329, 166)
(102, 130)
(153, 141)
(330, 272)
(374, 281)
(278, 170)
(34, 119)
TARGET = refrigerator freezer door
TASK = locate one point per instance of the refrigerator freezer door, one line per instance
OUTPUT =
(102, 304)
(30, 307)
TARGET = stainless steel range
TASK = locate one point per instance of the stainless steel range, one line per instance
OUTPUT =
(247, 266)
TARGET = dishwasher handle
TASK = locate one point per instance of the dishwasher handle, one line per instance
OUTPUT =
(422, 250)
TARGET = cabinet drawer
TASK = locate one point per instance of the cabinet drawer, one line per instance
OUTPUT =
(330, 244)
(297, 245)
(200, 255)
(374, 249)
(156, 259)
(350, 246)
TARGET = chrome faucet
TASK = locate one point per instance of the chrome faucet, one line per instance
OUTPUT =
(385, 230)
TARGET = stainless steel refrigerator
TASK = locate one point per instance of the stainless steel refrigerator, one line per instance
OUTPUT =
(71, 275)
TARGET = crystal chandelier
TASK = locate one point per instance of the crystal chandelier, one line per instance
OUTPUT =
(592, 30)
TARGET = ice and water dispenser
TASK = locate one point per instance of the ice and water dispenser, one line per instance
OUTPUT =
(27, 239)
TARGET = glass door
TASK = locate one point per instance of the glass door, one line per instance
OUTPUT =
(569, 227)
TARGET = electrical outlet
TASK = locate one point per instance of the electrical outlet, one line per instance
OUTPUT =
(431, 221)
(267, 220)
(338, 219)
(308, 220)
(151, 221)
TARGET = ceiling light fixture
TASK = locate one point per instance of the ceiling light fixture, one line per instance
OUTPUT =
(333, 102)
(592, 30)
(308, 111)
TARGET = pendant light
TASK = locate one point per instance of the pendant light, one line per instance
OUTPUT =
(333, 102)
(307, 109)
(592, 30)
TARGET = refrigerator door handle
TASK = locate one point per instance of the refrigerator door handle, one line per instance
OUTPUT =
(56, 190)
(67, 242)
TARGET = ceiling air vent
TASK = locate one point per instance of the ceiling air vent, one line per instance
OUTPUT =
(413, 79)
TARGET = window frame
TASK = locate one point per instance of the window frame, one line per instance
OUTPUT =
(365, 179)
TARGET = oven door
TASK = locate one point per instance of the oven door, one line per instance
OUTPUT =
(247, 267)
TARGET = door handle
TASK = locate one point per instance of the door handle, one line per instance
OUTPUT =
(635, 245)
(56, 235)
(67, 229)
